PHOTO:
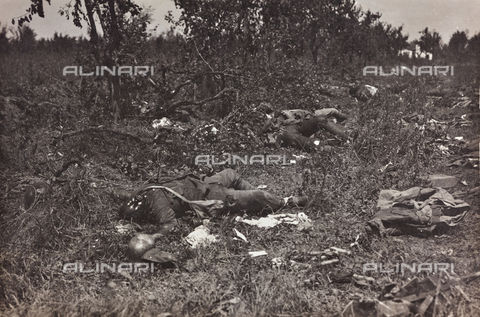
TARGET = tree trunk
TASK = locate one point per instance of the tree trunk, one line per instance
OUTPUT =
(93, 30)
(116, 105)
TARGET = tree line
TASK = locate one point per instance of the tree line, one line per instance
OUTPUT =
(214, 41)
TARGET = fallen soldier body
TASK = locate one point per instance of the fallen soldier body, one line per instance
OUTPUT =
(297, 126)
(161, 204)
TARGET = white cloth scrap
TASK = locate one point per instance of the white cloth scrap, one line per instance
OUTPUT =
(273, 220)
(200, 237)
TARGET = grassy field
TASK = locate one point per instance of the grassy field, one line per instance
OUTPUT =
(77, 222)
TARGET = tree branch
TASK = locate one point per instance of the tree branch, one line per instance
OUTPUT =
(198, 52)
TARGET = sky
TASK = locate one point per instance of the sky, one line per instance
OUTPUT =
(443, 16)
(52, 22)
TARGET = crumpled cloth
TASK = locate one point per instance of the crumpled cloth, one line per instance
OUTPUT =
(417, 211)
(200, 237)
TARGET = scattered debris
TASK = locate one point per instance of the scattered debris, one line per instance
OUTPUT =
(444, 149)
(300, 157)
(332, 261)
(297, 259)
(383, 169)
(240, 235)
(254, 254)
(356, 242)
(278, 263)
(338, 250)
(200, 237)
(273, 220)
(162, 123)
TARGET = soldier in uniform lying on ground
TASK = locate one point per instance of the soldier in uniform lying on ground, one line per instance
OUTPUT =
(162, 203)
(295, 127)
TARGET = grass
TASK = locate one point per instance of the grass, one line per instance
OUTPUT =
(77, 223)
